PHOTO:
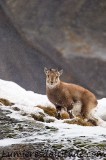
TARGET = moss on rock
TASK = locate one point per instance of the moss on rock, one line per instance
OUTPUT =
(38, 117)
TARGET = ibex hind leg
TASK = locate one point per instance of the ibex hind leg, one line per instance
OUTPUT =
(88, 105)
(90, 115)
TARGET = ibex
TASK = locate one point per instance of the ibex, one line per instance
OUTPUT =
(70, 96)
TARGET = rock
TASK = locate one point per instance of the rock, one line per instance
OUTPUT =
(49, 119)
(16, 109)
(38, 117)
(23, 113)
(52, 128)
(75, 149)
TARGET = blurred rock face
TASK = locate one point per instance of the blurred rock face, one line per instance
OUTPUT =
(66, 34)
(70, 26)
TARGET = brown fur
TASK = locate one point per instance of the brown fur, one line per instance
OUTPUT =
(64, 115)
(65, 95)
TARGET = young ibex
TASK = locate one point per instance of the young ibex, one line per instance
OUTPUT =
(71, 97)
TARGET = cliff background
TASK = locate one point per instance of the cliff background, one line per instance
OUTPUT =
(67, 34)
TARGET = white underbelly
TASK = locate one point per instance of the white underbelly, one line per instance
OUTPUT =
(77, 108)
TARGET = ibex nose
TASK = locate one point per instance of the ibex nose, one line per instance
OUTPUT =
(52, 82)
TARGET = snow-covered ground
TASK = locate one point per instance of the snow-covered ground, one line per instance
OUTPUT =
(27, 101)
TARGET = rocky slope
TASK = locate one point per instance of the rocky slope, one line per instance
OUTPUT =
(29, 129)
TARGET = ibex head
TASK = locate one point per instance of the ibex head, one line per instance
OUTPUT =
(52, 76)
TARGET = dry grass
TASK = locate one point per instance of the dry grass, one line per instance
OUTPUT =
(48, 110)
(6, 102)
(78, 121)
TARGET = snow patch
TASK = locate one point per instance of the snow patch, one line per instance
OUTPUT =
(27, 101)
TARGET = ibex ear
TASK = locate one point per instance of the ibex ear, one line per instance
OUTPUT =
(60, 72)
(45, 70)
